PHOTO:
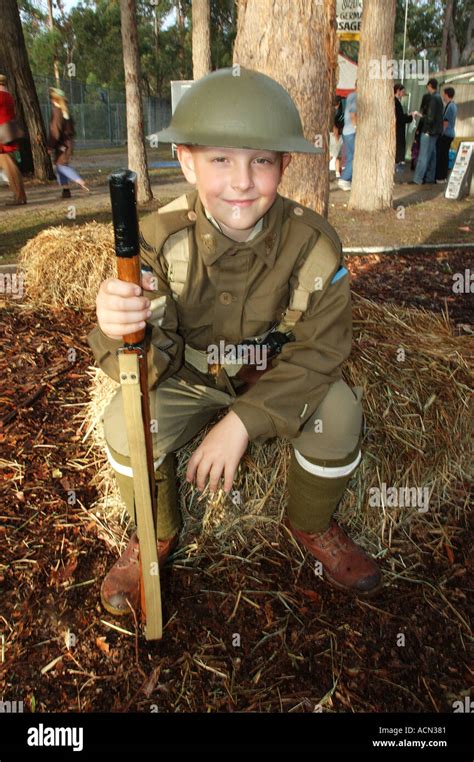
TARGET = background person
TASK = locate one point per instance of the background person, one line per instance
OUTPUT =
(415, 148)
(60, 141)
(401, 120)
(337, 135)
(348, 137)
(432, 128)
(8, 147)
(444, 141)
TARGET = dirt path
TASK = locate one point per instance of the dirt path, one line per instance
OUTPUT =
(44, 197)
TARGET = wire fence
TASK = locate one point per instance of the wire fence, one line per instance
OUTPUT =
(99, 113)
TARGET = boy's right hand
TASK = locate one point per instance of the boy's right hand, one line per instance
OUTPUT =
(120, 307)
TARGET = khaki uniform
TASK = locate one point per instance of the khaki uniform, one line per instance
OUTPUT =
(234, 291)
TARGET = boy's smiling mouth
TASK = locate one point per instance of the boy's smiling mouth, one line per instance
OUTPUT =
(241, 202)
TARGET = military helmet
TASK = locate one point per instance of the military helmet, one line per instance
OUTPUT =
(238, 108)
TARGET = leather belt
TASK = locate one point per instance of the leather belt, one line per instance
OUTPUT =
(199, 358)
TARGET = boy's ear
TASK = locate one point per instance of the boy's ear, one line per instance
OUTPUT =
(186, 159)
(285, 161)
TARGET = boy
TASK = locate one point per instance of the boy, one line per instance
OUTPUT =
(239, 263)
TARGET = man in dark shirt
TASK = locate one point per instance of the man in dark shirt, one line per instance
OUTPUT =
(401, 121)
(432, 129)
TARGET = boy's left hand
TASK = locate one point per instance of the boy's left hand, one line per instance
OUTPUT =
(219, 452)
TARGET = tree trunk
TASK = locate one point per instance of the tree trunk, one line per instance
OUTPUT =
(295, 42)
(181, 35)
(201, 38)
(443, 64)
(372, 181)
(12, 44)
(156, 28)
(453, 44)
(135, 130)
(51, 27)
(468, 49)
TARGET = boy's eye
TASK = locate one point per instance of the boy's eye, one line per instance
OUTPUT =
(258, 160)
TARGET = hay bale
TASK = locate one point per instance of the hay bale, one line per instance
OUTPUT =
(64, 266)
(418, 434)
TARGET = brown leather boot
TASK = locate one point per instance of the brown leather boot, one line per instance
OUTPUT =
(123, 580)
(345, 564)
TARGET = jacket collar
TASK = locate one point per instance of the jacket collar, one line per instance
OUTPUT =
(212, 243)
(254, 232)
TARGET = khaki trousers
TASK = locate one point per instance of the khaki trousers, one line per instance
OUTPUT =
(15, 180)
(326, 452)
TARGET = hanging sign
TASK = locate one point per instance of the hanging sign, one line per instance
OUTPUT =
(349, 19)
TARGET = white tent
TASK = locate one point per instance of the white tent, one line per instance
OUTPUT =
(347, 76)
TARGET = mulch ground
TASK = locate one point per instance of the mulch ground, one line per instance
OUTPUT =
(422, 280)
(300, 642)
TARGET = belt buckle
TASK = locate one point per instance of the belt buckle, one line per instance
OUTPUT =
(214, 369)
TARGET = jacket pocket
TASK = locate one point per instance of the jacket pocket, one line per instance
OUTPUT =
(267, 306)
(195, 317)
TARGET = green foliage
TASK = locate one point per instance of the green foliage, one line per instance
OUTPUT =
(43, 49)
(97, 49)
(223, 31)
(424, 30)
(425, 27)
(90, 37)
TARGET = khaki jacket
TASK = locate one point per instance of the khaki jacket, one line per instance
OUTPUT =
(236, 290)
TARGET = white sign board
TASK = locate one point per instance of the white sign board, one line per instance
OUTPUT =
(178, 88)
(349, 18)
(461, 176)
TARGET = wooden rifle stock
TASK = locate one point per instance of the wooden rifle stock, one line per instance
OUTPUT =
(134, 382)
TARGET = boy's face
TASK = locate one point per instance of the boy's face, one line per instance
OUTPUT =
(236, 185)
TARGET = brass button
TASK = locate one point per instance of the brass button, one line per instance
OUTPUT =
(209, 242)
(270, 240)
(192, 216)
(225, 297)
(298, 211)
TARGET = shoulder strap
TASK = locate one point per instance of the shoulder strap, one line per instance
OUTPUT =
(316, 271)
(167, 231)
(176, 250)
